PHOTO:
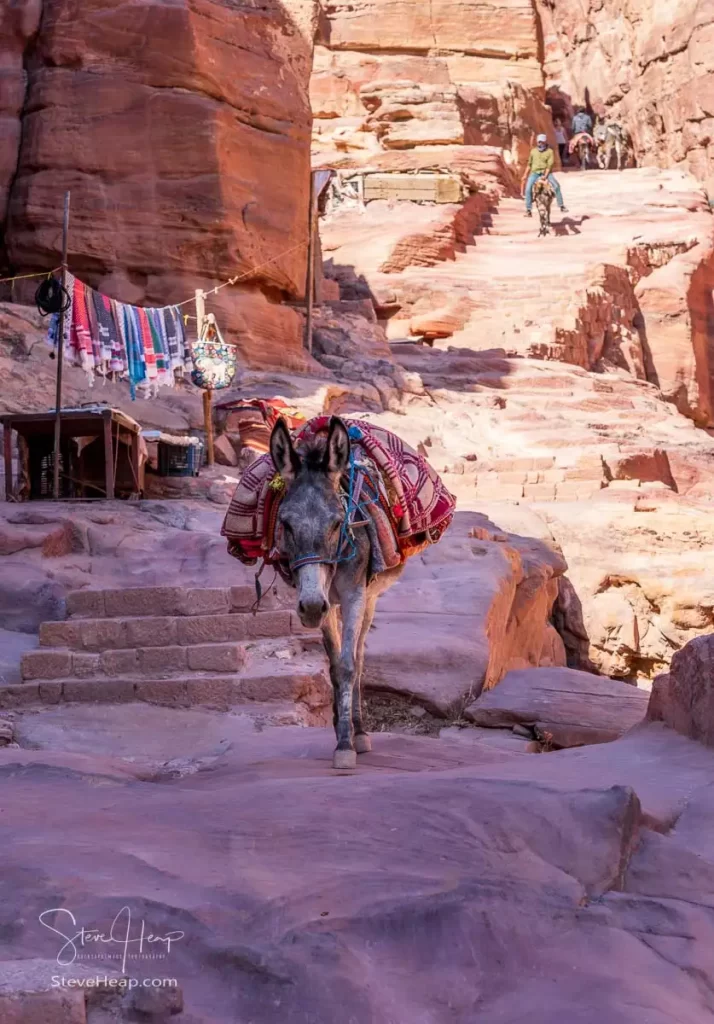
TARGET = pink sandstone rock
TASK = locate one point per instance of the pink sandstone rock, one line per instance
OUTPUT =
(572, 708)
(684, 698)
(582, 873)
(391, 75)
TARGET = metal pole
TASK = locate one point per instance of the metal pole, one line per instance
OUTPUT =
(60, 356)
(310, 284)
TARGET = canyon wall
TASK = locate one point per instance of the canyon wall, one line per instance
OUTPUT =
(649, 64)
(396, 75)
(183, 131)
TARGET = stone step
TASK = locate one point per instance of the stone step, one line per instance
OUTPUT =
(299, 681)
(167, 630)
(62, 663)
(152, 602)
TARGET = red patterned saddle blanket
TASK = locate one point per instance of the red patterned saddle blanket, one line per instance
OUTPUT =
(413, 511)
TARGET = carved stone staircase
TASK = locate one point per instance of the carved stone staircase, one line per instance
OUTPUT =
(172, 646)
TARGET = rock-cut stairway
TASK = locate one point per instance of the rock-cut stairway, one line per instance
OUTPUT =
(171, 646)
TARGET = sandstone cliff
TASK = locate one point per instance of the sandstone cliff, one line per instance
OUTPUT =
(393, 75)
(651, 65)
(182, 130)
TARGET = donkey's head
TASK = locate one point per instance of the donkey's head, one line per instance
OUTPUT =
(311, 513)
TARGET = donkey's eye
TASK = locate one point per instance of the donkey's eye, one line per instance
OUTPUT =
(335, 527)
(288, 529)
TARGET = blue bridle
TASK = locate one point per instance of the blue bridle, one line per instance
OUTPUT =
(346, 547)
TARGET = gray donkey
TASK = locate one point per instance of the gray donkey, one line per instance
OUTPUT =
(610, 138)
(313, 527)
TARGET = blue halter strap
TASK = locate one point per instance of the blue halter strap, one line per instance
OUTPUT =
(346, 547)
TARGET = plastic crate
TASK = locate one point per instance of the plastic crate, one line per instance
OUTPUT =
(179, 459)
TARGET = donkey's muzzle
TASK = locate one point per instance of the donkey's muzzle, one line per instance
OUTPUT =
(312, 613)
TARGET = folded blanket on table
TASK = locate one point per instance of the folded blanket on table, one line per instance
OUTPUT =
(406, 504)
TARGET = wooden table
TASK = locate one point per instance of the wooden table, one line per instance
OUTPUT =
(108, 424)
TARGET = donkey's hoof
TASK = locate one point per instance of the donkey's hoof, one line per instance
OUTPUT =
(344, 759)
(363, 743)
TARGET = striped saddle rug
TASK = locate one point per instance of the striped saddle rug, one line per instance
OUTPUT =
(407, 505)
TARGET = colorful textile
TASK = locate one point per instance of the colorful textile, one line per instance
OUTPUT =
(108, 331)
(103, 336)
(577, 139)
(413, 502)
(134, 349)
(69, 314)
(81, 332)
(255, 418)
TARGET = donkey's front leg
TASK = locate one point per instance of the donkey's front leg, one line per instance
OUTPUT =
(353, 609)
(331, 642)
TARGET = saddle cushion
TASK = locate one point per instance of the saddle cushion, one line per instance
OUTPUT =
(253, 419)
(577, 139)
(411, 511)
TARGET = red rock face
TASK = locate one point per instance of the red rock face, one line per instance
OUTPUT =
(18, 24)
(649, 65)
(392, 75)
(182, 130)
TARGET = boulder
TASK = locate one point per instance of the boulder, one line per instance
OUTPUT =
(568, 708)
(683, 698)
(466, 611)
(225, 451)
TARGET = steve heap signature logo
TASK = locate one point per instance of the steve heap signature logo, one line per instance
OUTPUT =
(123, 941)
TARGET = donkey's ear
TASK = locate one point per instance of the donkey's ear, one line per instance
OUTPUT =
(285, 458)
(337, 451)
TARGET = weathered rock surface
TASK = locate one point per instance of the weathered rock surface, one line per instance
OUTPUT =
(584, 882)
(650, 67)
(390, 75)
(567, 708)
(177, 165)
(683, 698)
(472, 607)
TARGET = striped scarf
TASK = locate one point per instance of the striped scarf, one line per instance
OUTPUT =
(82, 341)
(134, 349)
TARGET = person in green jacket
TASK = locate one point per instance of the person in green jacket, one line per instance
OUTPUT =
(540, 165)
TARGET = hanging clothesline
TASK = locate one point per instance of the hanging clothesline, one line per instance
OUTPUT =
(146, 345)
(26, 277)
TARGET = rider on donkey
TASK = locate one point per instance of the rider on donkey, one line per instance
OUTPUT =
(540, 165)
(582, 121)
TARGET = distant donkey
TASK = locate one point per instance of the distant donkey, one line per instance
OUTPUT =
(583, 146)
(543, 196)
(313, 521)
(610, 139)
